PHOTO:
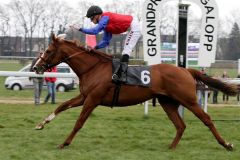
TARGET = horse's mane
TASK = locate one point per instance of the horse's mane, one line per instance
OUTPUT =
(81, 46)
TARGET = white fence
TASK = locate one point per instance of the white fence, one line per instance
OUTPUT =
(32, 74)
(16, 57)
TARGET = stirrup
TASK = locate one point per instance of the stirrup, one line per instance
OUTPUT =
(115, 77)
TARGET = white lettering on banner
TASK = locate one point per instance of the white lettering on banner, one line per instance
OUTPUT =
(145, 77)
(208, 37)
(151, 32)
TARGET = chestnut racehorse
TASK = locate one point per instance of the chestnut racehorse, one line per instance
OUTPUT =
(172, 86)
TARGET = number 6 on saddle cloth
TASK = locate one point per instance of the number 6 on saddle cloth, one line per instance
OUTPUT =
(136, 75)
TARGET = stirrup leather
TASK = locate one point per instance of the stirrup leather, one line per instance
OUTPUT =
(120, 74)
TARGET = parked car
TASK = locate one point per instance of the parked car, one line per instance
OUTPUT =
(62, 84)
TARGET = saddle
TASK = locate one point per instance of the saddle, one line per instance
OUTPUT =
(136, 75)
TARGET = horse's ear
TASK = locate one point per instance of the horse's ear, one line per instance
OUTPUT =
(54, 38)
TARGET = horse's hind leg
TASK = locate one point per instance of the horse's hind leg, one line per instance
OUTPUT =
(205, 118)
(170, 106)
(74, 102)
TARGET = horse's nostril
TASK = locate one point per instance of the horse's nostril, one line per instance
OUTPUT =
(35, 68)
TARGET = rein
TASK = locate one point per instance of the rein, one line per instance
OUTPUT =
(49, 66)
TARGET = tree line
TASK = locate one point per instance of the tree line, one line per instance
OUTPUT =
(33, 21)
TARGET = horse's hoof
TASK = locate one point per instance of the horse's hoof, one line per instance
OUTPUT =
(61, 146)
(229, 146)
(39, 127)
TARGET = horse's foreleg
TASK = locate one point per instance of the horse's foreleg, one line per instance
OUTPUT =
(171, 108)
(205, 118)
(74, 102)
(86, 111)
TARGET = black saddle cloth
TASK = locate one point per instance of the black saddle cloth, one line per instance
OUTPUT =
(136, 75)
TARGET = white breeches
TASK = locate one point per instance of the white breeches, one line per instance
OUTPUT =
(132, 37)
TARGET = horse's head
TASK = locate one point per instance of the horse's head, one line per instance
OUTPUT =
(62, 50)
(50, 57)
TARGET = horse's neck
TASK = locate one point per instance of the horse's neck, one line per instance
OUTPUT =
(82, 63)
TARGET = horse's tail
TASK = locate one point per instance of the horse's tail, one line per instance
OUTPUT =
(229, 89)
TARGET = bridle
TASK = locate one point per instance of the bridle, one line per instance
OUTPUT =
(48, 65)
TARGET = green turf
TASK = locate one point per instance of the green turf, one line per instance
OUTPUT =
(114, 134)
(110, 134)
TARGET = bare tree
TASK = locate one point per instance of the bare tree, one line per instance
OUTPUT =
(4, 21)
(4, 27)
(43, 30)
(82, 8)
(168, 19)
(52, 15)
(57, 18)
(67, 16)
(28, 13)
(125, 7)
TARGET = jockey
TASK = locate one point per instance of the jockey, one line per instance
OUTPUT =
(112, 23)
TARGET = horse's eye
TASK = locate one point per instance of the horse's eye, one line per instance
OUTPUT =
(48, 51)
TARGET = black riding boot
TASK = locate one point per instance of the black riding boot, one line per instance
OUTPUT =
(120, 73)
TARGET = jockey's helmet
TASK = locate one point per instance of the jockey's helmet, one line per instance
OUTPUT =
(94, 10)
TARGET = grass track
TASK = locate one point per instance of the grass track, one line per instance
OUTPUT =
(114, 134)
(110, 134)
